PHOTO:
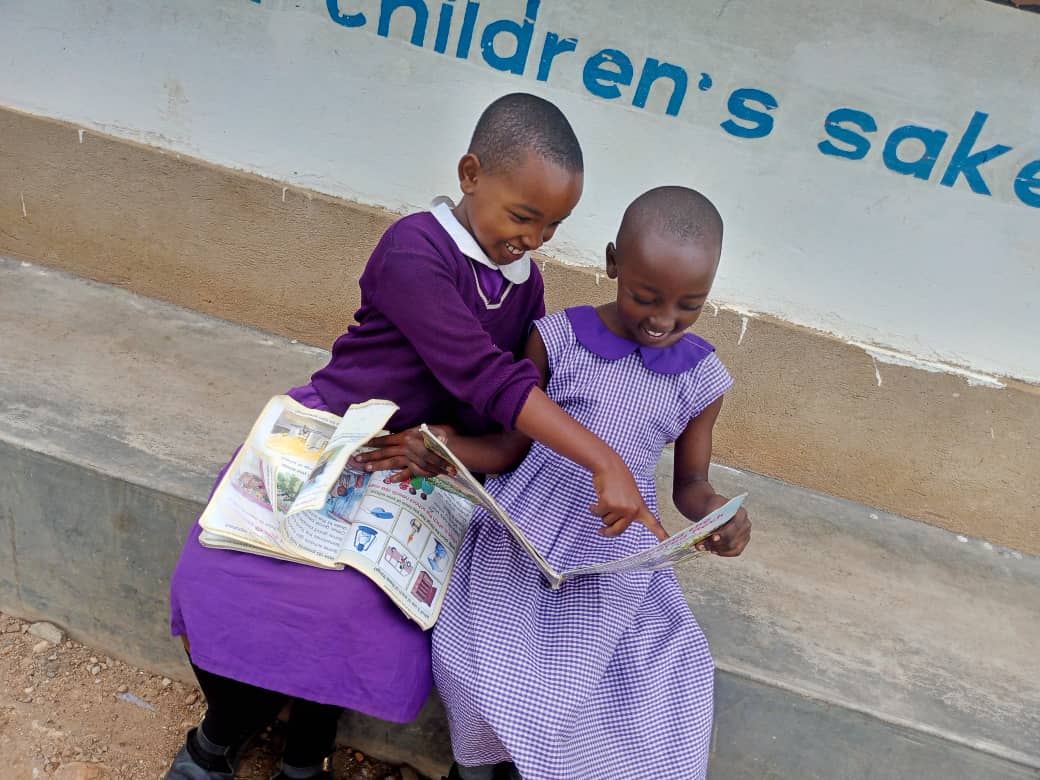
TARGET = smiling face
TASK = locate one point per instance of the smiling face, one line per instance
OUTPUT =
(663, 283)
(516, 209)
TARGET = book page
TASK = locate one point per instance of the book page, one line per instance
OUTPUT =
(321, 534)
(241, 507)
(296, 441)
(315, 523)
(405, 536)
(209, 539)
(359, 424)
(676, 548)
(468, 485)
(265, 476)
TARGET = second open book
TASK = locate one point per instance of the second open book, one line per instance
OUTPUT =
(290, 493)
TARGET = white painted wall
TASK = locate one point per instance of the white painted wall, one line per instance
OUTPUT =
(850, 247)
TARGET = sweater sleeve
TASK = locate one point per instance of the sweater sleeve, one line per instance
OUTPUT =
(418, 293)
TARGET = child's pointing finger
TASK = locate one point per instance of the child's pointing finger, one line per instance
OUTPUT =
(651, 522)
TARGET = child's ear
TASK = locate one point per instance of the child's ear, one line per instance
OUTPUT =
(469, 173)
(611, 261)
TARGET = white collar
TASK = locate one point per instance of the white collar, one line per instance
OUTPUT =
(516, 272)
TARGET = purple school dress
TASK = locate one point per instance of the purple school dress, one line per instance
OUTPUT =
(610, 676)
(440, 336)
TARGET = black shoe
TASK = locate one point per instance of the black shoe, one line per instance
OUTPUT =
(504, 771)
(195, 763)
(322, 771)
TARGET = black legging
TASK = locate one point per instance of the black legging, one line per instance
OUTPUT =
(236, 711)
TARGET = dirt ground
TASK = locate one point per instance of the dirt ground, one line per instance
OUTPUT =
(72, 713)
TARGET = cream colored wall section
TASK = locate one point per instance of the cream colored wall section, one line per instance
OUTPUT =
(731, 96)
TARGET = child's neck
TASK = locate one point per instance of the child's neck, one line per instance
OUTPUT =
(462, 215)
(608, 314)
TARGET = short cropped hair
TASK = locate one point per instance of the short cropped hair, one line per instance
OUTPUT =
(519, 123)
(679, 212)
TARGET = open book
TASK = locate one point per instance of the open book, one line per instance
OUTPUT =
(290, 493)
(679, 547)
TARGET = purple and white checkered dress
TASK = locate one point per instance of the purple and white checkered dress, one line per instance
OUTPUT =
(610, 676)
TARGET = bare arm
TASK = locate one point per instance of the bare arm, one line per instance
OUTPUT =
(694, 495)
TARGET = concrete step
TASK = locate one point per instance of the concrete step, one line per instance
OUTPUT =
(850, 643)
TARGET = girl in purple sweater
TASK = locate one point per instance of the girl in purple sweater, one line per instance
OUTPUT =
(448, 298)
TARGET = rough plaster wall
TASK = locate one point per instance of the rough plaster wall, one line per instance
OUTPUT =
(846, 246)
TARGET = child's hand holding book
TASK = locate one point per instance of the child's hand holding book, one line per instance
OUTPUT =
(731, 539)
(407, 454)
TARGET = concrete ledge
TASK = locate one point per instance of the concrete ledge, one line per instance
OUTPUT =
(850, 643)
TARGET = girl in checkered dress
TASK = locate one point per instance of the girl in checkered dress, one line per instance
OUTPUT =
(610, 676)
